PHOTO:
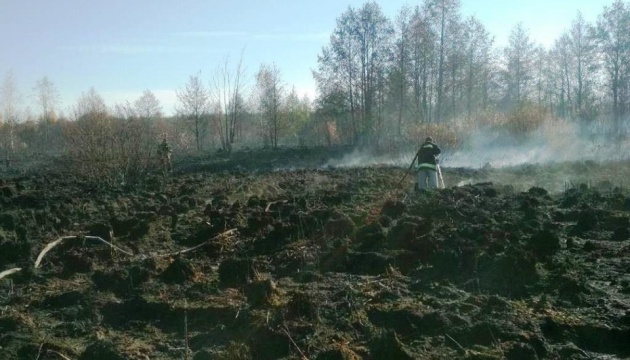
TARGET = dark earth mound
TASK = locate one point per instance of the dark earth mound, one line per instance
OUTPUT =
(219, 262)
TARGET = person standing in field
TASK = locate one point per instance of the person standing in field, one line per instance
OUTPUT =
(427, 164)
(164, 153)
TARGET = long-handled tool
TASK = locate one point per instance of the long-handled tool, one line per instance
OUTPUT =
(408, 170)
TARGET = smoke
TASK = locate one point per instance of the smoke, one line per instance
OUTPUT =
(359, 158)
(555, 141)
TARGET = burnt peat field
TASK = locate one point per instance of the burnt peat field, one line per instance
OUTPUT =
(270, 255)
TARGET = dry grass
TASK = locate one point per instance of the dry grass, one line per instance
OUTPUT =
(56, 285)
(235, 351)
(241, 189)
(453, 133)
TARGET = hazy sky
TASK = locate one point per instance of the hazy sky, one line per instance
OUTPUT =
(122, 47)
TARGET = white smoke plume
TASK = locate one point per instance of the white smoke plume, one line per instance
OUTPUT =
(360, 158)
(552, 143)
(556, 141)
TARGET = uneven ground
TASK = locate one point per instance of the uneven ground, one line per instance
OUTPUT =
(319, 264)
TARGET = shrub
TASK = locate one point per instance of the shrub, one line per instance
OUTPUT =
(103, 148)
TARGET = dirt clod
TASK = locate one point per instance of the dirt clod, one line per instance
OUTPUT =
(323, 263)
(235, 272)
(101, 350)
(179, 271)
(260, 292)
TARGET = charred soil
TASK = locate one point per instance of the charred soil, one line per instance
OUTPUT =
(224, 262)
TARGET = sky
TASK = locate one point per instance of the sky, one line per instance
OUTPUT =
(122, 47)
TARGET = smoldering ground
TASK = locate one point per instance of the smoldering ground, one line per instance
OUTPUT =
(557, 155)
(273, 265)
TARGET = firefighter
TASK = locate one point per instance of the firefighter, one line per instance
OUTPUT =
(164, 153)
(427, 164)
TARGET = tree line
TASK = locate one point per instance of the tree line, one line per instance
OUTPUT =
(380, 77)
(380, 81)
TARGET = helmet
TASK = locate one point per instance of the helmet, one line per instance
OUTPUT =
(428, 139)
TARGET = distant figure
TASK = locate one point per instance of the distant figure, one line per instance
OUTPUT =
(164, 153)
(427, 165)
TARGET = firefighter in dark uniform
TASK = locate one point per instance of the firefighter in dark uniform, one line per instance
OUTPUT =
(164, 153)
(427, 165)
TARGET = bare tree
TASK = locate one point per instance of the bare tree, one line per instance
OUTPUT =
(148, 106)
(564, 61)
(398, 77)
(194, 107)
(10, 98)
(583, 46)
(613, 32)
(519, 70)
(373, 32)
(445, 15)
(270, 95)
(297, 113)
(478, 63)
(356, 61)
(337, 69)
(89, 103)
(227, 93)
(422, 52)
(47, 98)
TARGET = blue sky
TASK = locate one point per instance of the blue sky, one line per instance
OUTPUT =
(122, 47)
